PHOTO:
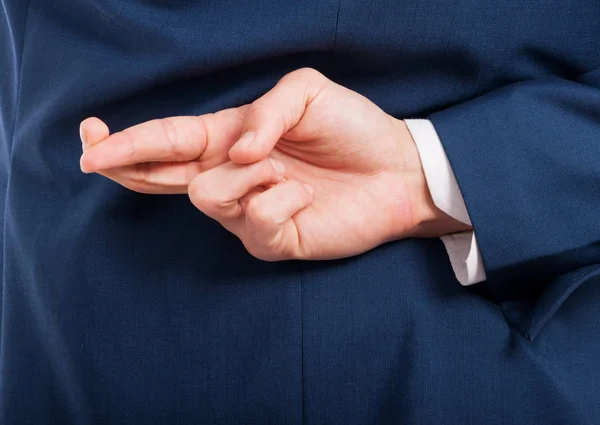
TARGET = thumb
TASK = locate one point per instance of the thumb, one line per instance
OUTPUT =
(271, 116)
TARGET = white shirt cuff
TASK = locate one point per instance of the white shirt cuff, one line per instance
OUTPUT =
(462, 247)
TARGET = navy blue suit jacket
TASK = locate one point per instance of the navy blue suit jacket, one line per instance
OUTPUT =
(124, 308)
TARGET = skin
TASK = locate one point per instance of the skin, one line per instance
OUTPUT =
(327, 174)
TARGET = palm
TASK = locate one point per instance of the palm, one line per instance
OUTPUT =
(346, 216)
(349, 151)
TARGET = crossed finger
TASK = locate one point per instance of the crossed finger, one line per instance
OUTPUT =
(163, 155)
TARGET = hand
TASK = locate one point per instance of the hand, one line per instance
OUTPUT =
(319, 171)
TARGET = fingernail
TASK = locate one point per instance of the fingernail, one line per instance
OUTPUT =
(83, 136)
(278, 165)
(309, 189)
(246, 140)
(82, 167)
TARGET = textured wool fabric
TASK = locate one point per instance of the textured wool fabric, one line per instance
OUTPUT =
(124, 308)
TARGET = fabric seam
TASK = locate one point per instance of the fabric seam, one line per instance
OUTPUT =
(337, 22)
(534, 331)
(12, 146)
(302, 343)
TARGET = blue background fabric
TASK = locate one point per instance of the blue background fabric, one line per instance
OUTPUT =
(123, 308)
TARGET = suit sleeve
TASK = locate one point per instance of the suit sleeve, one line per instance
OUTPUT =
(527, 160)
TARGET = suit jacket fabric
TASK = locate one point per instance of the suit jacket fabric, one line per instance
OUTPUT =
(125, 308)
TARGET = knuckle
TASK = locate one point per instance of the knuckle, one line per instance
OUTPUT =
(136, 180)
(306, 73)
(303, 253)
(131, 142)
(198, 194)
(140, 172)
(258, 108)
(172, 137)
(211, 202)
(268, 111)
(257, 213)
(268, 255)
(264, 169)
(201, 129)
(259, 251)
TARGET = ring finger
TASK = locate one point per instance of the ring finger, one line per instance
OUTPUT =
(217, 191)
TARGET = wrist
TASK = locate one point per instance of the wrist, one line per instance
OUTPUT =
(428, 221)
